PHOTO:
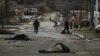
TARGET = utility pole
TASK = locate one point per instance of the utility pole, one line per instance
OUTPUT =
(6, 7)
(81, 10)
(5, 13)
(92, 14)
(96, 14)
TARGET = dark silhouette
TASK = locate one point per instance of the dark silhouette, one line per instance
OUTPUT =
(19, 37)
(55, 23)
(57, 48)
(50, 18)
(66, 27)
(36, 25)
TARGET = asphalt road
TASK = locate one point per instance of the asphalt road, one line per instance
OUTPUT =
(46, 37)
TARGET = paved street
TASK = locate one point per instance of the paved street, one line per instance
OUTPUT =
(47, 36)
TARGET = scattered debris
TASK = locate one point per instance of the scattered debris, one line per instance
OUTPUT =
(79, 35)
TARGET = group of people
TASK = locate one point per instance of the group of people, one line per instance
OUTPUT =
(36, 25)
(74, 21)
(58, 47)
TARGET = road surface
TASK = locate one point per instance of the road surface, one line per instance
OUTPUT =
(46, 37)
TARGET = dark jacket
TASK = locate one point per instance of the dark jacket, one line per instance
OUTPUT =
(66, 24)
(36, 23)
(64, 48)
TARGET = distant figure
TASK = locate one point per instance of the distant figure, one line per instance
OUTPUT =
(70, 22)
(57, 48)
(55, 23)
(76, 22)
(66, 27)
(61, 20)
(36, 25)
(50, 18)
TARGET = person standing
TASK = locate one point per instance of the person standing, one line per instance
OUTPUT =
(55, 23)
(77, 23)
(70, 22)
(36, 25)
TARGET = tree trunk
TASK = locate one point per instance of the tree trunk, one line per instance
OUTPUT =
(2, 25)
(92, 15)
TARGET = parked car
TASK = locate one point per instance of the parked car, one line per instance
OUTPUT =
(84, 23)
(97, 28)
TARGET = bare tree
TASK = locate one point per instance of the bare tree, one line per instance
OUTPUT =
(51, 4)
(2, 15)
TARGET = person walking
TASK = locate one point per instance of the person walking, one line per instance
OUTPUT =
(36, 25)
(66, 27)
